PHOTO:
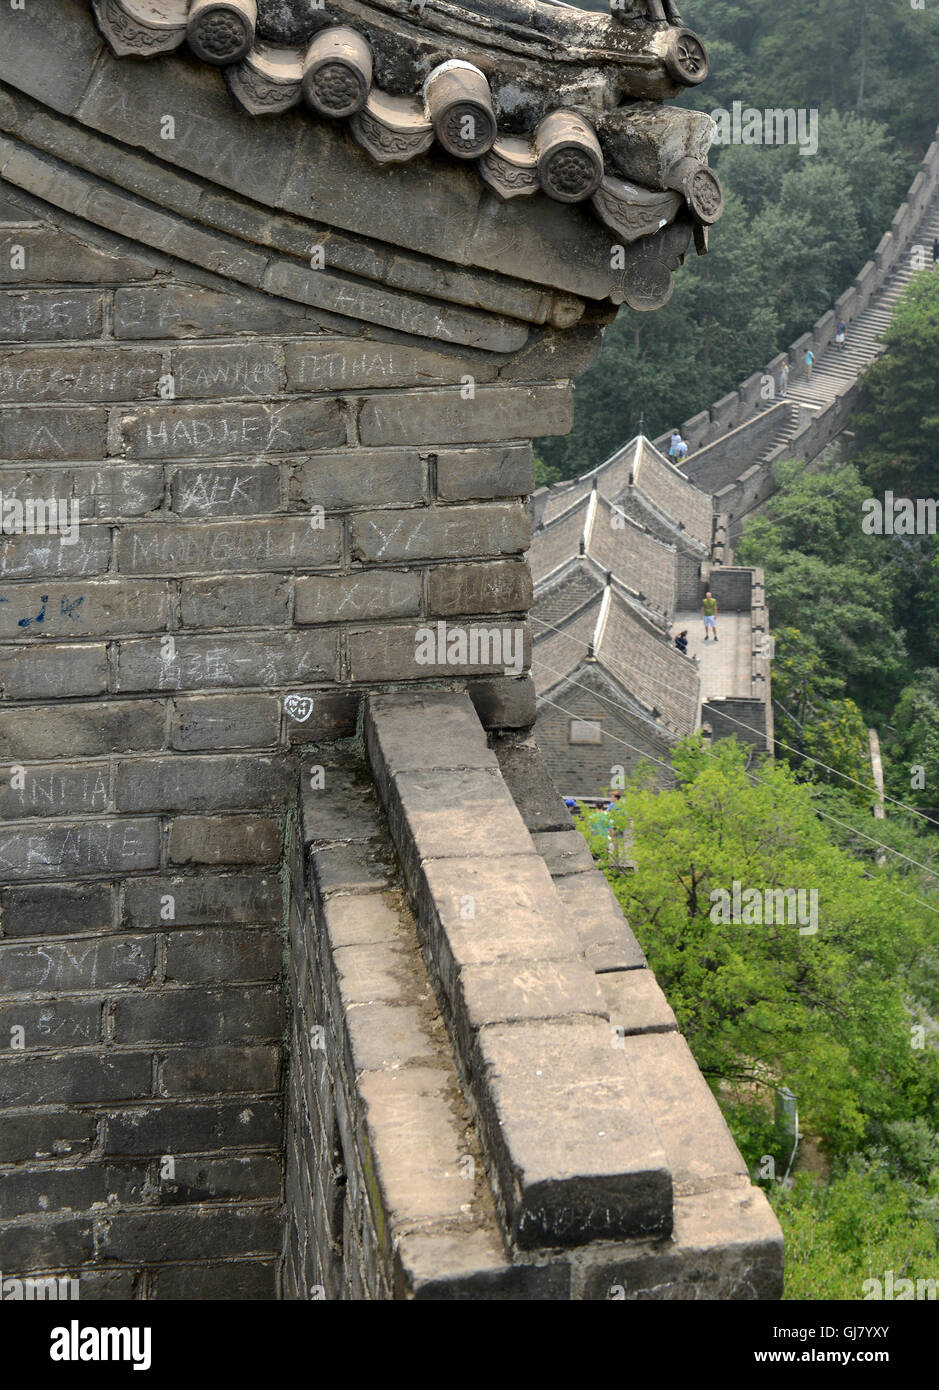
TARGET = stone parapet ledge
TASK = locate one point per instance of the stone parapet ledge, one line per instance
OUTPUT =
(527, 1016)
(592, 1129)
(386, 1192)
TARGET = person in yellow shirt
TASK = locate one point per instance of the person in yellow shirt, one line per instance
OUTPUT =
(709, 612)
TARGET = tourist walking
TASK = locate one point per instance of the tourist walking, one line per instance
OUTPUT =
(673, 445)
(784, 379)
(709, 612)
(809, 362)
(840, 333)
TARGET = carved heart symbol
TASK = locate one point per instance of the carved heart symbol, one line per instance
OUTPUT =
(299, 707)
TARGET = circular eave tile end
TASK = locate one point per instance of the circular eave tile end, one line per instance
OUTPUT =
(335, 87)
(466, 129)
(570, 173)
(686, 58)
(705, 197)
(220, 34)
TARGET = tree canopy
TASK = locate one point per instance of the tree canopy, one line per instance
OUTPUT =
(796, 229)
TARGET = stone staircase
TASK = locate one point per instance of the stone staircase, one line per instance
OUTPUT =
(834, 368)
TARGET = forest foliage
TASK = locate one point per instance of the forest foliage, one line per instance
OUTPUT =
(796, 229)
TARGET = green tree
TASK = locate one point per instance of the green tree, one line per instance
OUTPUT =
(865, 153)
(914, 742)
(817, 731)
(860, 1225)
(809, 243)
(767, 1005)
(897, 420)
(845, 608)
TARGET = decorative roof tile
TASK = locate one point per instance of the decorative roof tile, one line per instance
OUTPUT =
(543, 99)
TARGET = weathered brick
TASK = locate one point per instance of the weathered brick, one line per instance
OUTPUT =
(575, 1164)
(212, 662)
(52, 256)
(342, 805)
(182, 1126)
(338, 364)
(212, 1070)
(501, 586)
(444, 417)
(699, 1147)
(605, 935)
(51, 909)
(388, 1035)
(212, 431)
(202, 899)
(54, 556)
(396, 733)
(110, 1285)
(472, 1265)
(107, 490)
(202, 957)
(56, 789)
(398, 653)
(199, 1015)
(201, 784)
(52, 1023)
(539, 802)
(464, 474)
(358, 596)
(241, 489)
(82, 608)
(224, 840)
(244, 1177)
(10, 211)
(80, 730)
(358, 477)
(79, 374)
(564, 852)
(515, 918)
(369, 972)
(227, 369)
(235, 1279)
(440, 533)
(35, 480)
(725, 1245)
(416, 1144)
(35, 1190)
(45, 1134)
(276, 544)
(219, 1232)
(193, 311)
(257, 600)
(118, 490)
(54, 432)
(46, 1244)
(80, 1076)
(90, 847)
(635, 1002)
(225, 721)
(549, 989)
(102, 962)
(50, 315)
(334, 716)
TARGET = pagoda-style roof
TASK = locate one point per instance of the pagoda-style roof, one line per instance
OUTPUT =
(607, 632)
(528, 144)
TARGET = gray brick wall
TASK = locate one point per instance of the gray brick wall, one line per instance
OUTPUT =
(281, 525)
